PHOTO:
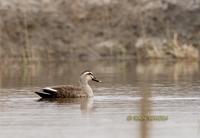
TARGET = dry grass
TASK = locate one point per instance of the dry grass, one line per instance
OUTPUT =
(183, 51)
(165, 49)
(75, 29)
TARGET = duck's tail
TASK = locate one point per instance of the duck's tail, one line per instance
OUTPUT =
(47, 93)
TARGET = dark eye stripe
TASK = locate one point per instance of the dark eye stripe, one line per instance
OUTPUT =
(89, 73)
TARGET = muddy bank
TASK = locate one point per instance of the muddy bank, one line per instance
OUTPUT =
(62, 29)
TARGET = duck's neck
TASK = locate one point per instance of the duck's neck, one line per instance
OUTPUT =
(86, 88)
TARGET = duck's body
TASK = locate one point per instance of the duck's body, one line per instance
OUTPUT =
(64, 91)
(69, 91)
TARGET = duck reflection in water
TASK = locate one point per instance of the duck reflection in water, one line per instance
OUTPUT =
(86, 104)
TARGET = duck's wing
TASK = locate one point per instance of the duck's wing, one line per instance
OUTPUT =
(69, 91)
(64, 91)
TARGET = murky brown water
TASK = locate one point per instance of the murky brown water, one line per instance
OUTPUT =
(129, 88)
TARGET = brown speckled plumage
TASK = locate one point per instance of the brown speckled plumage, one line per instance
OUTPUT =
(69, 91)
(63, 91)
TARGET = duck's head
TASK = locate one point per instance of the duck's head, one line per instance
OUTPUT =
(88, 75)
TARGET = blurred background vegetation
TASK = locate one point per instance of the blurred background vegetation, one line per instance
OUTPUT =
(94, 29)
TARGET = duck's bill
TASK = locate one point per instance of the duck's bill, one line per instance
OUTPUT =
(94, 79)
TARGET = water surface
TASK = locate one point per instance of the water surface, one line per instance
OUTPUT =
(129, 88)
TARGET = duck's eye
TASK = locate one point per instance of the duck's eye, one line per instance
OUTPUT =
(89, 73)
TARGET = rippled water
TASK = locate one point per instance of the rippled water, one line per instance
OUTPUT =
(129, 88)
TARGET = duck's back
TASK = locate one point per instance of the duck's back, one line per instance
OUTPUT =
(69, 91)
(62, 91)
